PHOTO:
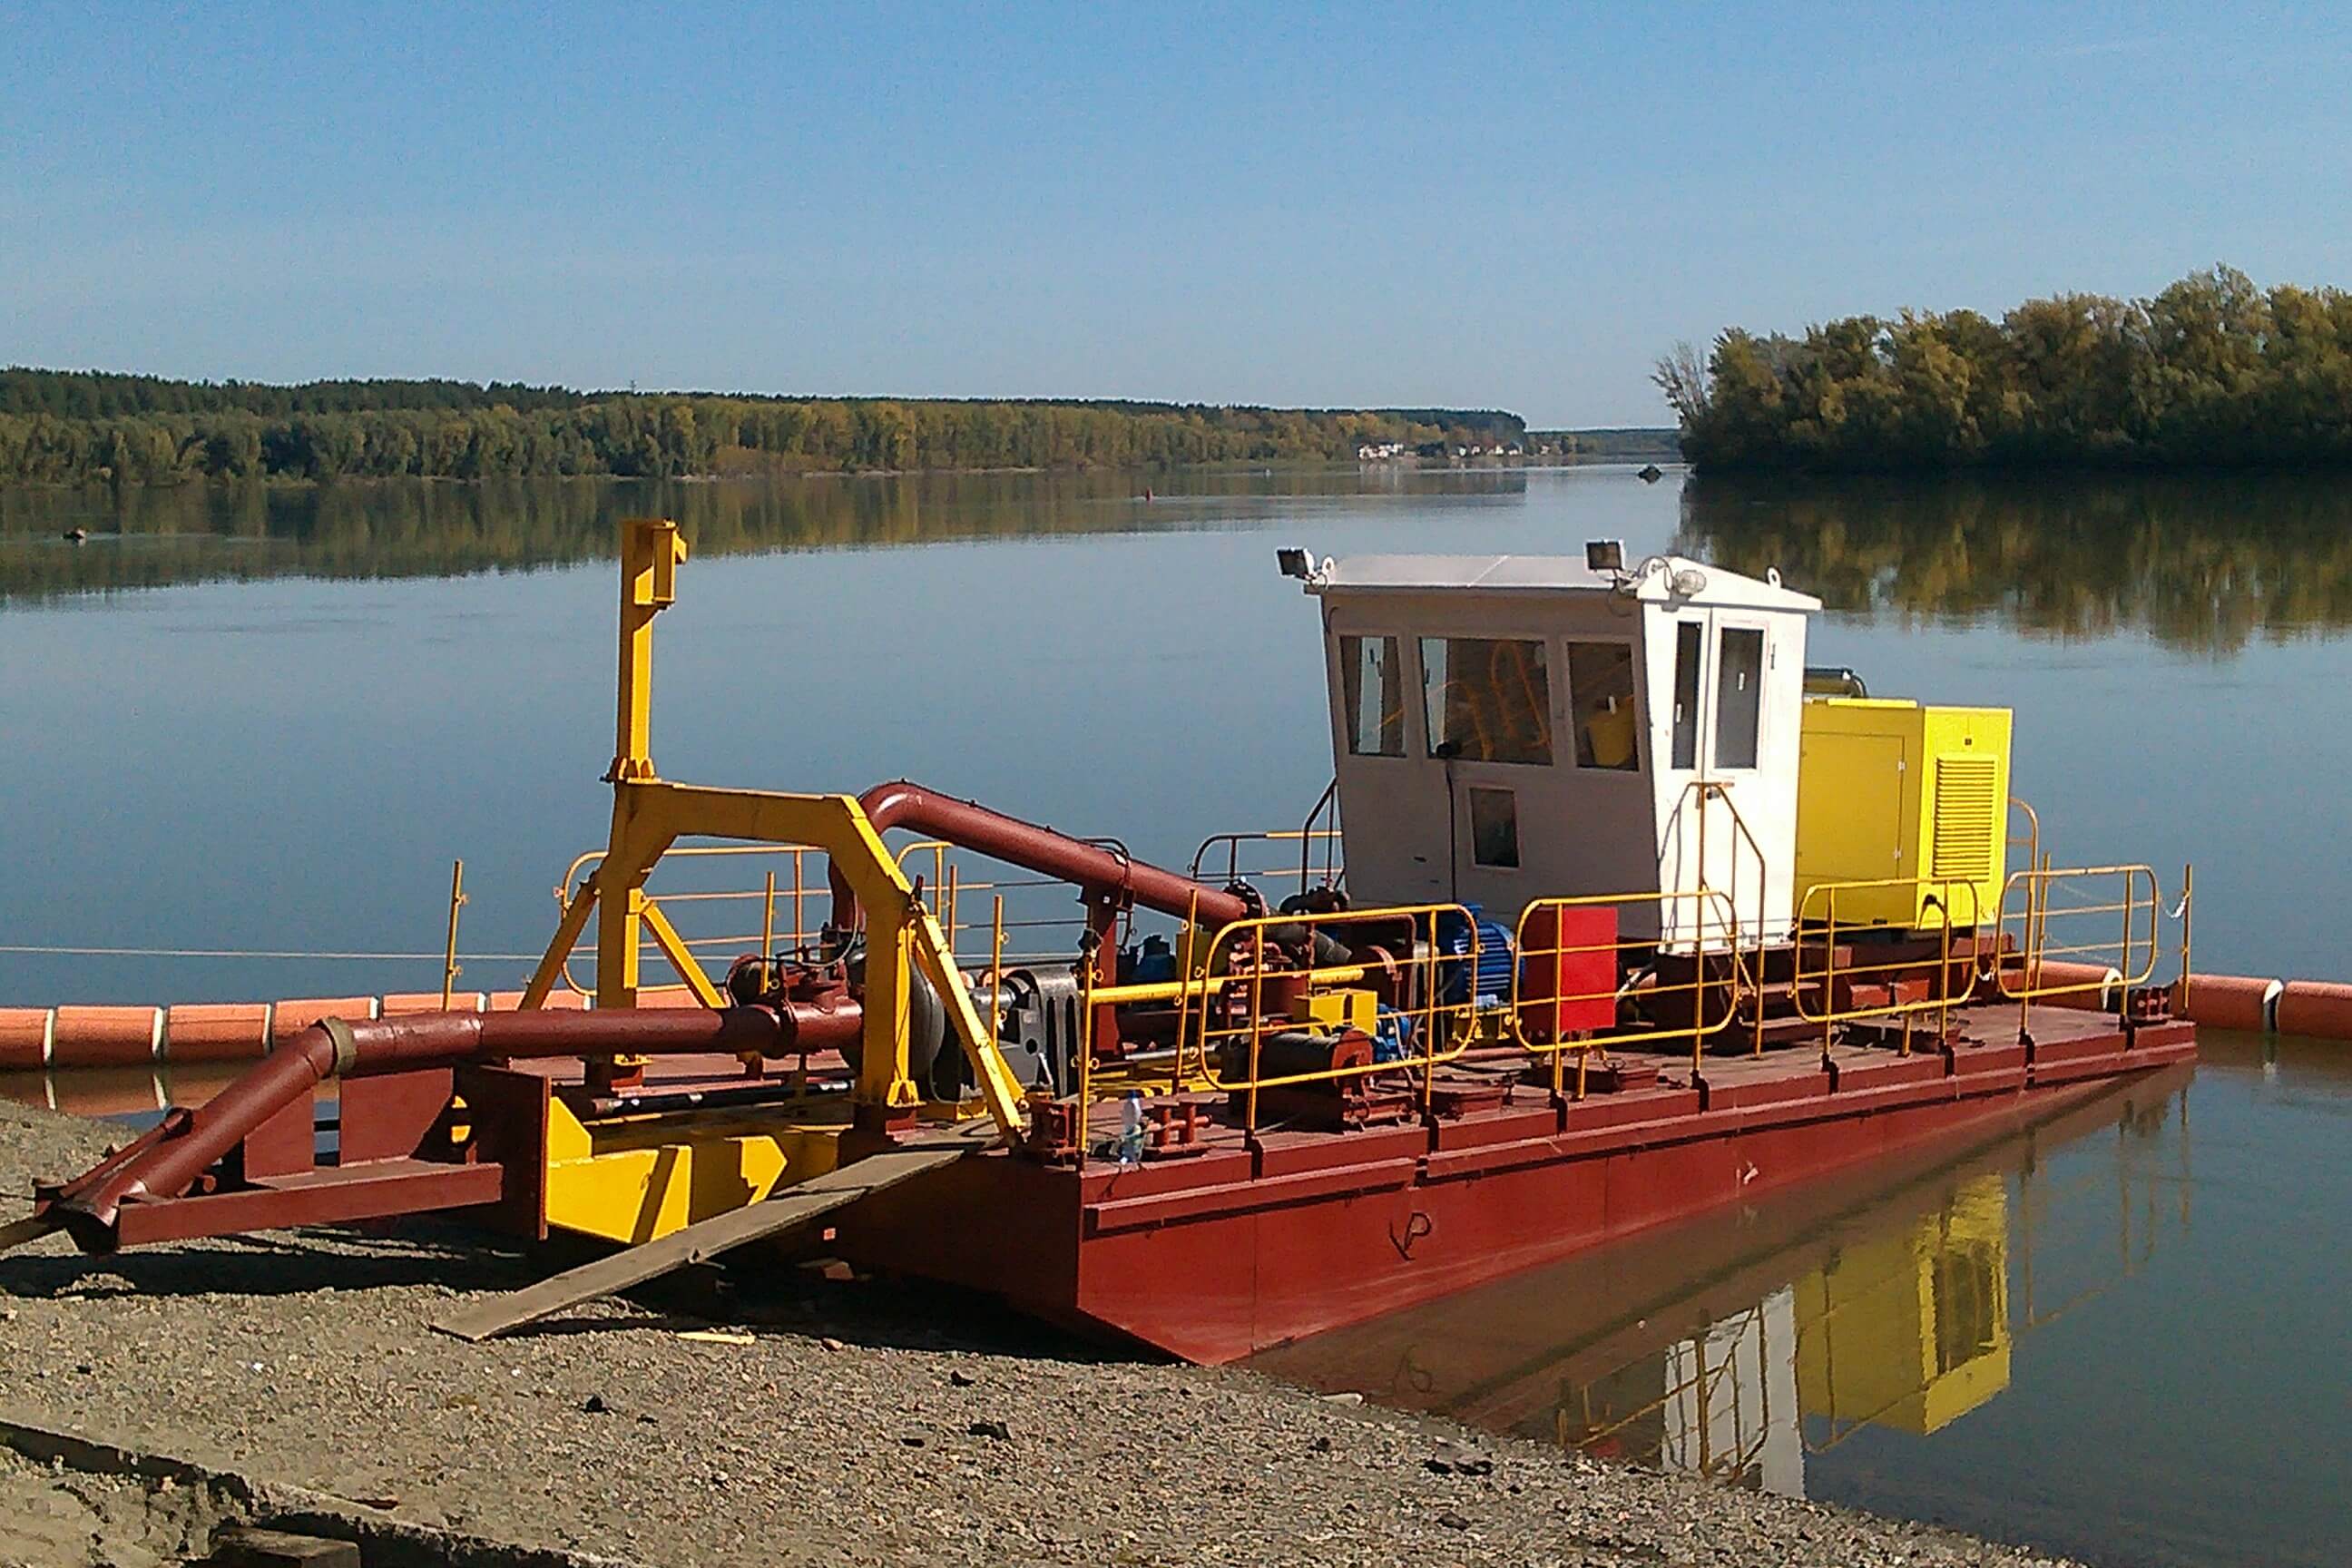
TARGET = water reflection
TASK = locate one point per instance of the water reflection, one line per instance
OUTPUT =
(1745, 1347)
(147, 538)
(2208, 561)
(2203, 562)
(121, 1093)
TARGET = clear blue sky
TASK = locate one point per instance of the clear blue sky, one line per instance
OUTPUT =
(1473, 205)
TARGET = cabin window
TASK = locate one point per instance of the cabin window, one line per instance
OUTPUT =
(1494, 828)
(1688, 648)
(1487, 699)
(1600, 684)
(1371, 678)
(1738, 696)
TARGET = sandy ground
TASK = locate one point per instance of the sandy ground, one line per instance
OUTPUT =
(59, 1518)
(854, 1423)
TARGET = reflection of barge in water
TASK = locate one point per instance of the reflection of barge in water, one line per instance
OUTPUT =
(1630, 926)
(1737, 1345)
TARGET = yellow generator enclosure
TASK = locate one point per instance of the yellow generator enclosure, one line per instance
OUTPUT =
(1913, 798)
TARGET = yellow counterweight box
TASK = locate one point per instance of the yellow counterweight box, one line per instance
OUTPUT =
(1914, 797)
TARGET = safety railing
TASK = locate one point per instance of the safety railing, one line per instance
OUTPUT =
(1242, 1033)
(714, 923)
(1869, 978)
(973, 896)
(2077, 931)
(2033, 832)
(1583, 983)
(1741, 850)
(1249, 858)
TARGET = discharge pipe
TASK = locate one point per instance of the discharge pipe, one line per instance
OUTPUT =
(169, 1158)
(967, 824)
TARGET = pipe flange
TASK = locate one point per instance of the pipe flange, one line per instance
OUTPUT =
(347, 1047)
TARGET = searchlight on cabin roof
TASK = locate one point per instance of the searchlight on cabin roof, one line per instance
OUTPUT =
(1300, 563)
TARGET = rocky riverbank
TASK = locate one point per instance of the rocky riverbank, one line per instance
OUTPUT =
(786, 1418)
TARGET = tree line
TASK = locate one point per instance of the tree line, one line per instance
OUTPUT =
(2212, 370)
(77, 428)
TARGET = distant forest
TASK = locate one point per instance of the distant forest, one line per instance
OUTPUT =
(2213, 371)
(89, 427)
(1625, 444)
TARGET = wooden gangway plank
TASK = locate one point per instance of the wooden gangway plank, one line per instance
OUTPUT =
(705, 1240)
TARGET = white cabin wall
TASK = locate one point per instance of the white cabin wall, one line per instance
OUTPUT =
(1581, 830)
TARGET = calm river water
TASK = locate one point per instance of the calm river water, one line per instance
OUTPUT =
(270, 721)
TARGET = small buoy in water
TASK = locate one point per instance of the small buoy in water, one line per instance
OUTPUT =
(79, 535)
(1649, 473)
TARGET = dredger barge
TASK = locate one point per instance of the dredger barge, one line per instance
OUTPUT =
(1614, 913)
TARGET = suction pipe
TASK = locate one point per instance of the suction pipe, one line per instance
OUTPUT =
(170, 1158)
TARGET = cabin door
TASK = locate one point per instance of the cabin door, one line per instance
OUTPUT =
(1710, 862)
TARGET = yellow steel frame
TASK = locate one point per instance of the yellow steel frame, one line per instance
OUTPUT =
(799, 894)
(650, 813)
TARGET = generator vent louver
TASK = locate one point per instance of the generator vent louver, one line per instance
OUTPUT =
(1967, 817)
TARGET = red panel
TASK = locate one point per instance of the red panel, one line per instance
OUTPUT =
(1501, 1127)
(1850, 1073)
(287, 1145)
(2048, 1052)
(1285, 1154)
(1567, 971)
(1629, 1106)
(508, 1111)
(1726, 1092)
(1104, 1182)
(386, 1118)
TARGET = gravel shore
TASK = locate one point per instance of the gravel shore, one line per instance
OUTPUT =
(834, 1422)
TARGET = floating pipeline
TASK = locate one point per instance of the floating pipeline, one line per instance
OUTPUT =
(2232, 1002)
(2320, 1007)
(2098, 985)
(76, 1037)
(73, 1038)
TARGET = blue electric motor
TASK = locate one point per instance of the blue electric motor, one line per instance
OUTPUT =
(1490, 986)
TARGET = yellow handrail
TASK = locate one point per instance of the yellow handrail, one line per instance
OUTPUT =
(1817, 994)
(2127, 959)
(1306, 838)
(1244, 946)
(1700, 983)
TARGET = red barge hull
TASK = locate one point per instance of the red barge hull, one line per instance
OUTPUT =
(1242, 1247)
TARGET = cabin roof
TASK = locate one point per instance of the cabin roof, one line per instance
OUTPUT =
(1550, 575)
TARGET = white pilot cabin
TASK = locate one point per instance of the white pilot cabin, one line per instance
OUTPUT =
(1512, 727)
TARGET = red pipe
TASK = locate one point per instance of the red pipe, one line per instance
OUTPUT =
(971, 826)
(168, 1160)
